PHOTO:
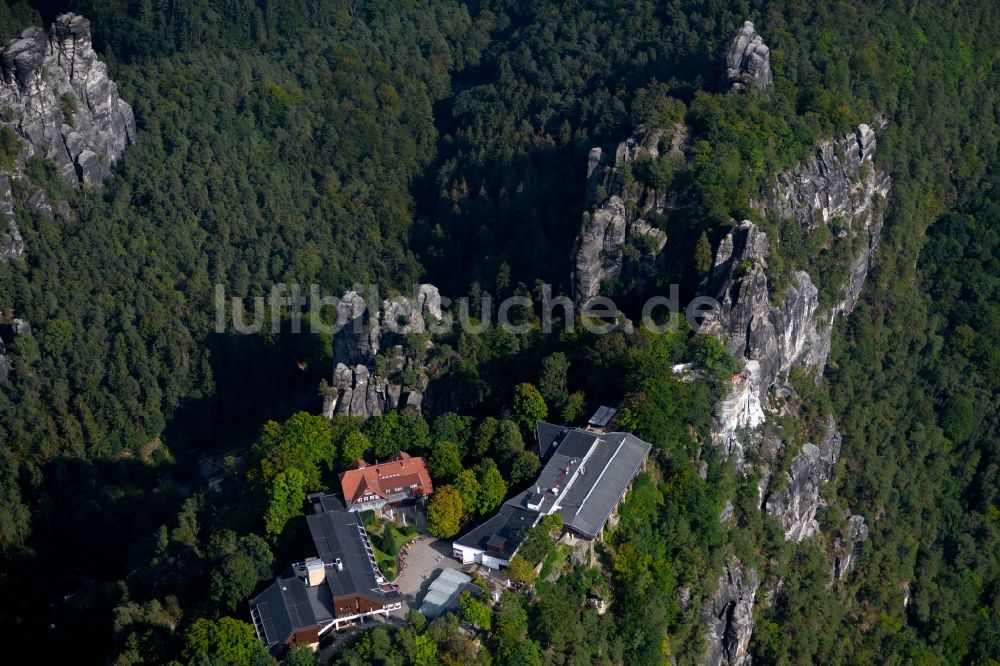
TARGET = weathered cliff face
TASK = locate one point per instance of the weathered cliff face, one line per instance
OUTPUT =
(599, 252)
(11, 243)
(56, 96)
(369, 358)
(773, 336)
(8, 333)
(847, 548)
(748, 63)
(797, 502)
(728, 619)
(839, 182)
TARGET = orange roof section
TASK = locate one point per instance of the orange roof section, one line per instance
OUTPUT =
(400, 471)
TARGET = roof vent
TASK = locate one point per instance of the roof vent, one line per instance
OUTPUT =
(339, 564)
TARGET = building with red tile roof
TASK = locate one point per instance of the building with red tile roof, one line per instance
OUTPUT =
(399, 480)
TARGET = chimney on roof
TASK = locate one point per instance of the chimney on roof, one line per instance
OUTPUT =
(315, 571)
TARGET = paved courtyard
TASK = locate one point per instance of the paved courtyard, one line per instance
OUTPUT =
(425, 557)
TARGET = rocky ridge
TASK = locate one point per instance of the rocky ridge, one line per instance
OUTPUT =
(728, 617)
(847, 548)
(599, 250)
(796, 503)
(56, 96)
(8, 333)
(58, 103)
(840, 183)
(770, 334)
(370, 356)
(836, 183)
(748, 62)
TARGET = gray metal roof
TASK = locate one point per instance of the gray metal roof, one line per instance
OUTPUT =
(270, 617)
(444, 591)
(510, 523)
(547, 436)
(583, 480)
(290, 604)
(286, 606)
(602, 477)
(602, 417)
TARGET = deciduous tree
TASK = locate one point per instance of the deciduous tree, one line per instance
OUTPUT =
(444, 512)
(529, 406)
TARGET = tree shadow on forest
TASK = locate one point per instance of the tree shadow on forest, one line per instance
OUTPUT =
(256, 378)
(96, 520)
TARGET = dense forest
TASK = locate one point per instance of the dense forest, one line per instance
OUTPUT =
(339, 143)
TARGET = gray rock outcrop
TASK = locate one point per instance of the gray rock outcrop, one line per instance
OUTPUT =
(748, 63)
(796, 504)
(57, 98)
(8, 333)
(56, 94)
(369, 357)
(772, 339)
(728, 619)
(5, 365)
(838, 187)
(11, 243)
(847, 548)
(599, 252)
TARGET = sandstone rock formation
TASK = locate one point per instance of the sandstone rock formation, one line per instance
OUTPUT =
(847, 548)
(8, 333)
(748, 63)
(56, 96)
(369, 358)
(772, 339)
(728, 619)
(5, 365)
(599, 250)
(11, 243)
(774, 333)
(797, 502)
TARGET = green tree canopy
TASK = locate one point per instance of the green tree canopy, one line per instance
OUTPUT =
(483, 437)
(552, 383)
(467, 486)
(356, 445)
(285, 496)
(445, 463)
(492, 487)
(474, 612)
(226, 642)
(242, 562)
(524, 468)
(304, 441)
(444, 512)
(508, 443)
(529, 406)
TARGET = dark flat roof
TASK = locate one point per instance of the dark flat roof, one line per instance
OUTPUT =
(289, 604)
(269, 612)
(341, 535)
(321, 502)
(509, 523)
